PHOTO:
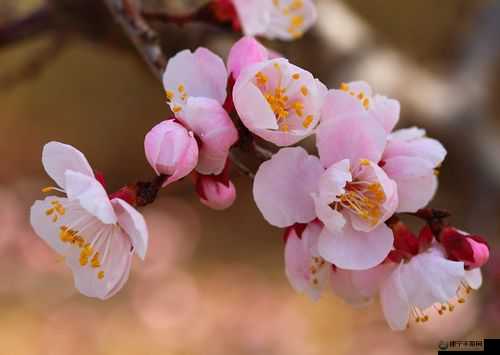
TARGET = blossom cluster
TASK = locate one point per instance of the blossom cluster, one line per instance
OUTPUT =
(338, 208)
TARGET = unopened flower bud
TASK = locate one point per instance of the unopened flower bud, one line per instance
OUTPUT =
(471, 249)
(171, 150)
(215, 191)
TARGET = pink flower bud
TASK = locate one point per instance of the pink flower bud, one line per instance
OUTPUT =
(245, 52)
(171, 150)
(215, 191)
(471, 249)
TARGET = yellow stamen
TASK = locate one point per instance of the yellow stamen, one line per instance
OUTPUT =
(170, 95)
(100, 275)
(296, 76)
(304, 90)
(307, 122)
(344, 87)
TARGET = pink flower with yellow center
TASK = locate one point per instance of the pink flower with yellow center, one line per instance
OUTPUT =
(278, 101)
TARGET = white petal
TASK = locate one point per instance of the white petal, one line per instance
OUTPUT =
(48, 227)
(91, 196)
(133, 224)
(58, 157)
(394, 301)
(474, 278)
(115, 255)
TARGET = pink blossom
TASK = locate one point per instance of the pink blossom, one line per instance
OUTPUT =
(97, 237)
(306, 270)
(411, 159)
(278, 101)
(195, 85)
(216, 191)
(284, 19)
(171, 150)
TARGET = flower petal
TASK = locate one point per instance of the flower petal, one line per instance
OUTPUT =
(415, 180)
(354, 250)
(90, 195)
(386, 111)
(394, 300)
(245, 52)
(350, 136)
(283, 186)
(474, 278)
(101, 282)
(58, 157)
(198, 74)
(133, 224)
(216, 131)
(412, 143)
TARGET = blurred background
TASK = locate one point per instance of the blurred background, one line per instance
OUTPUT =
(213, 282)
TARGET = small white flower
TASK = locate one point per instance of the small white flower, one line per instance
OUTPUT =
(96, 236)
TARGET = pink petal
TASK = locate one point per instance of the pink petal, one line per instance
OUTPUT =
(133, 224)
(351, 136)
(338, 103)
(90, 195)
(215, 193)
(58, 157)
(385, 111)
(331, 185)
(355, 250)
(171, 150)
(216, 131)
(412, 143)
(415, 180)
(298, 257)
(245, 52)
(283, 186)
(202, 74)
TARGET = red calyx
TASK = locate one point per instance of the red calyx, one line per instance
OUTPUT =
(407, 244)
(298, 228)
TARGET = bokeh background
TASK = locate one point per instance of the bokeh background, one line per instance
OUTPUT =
(213, 282)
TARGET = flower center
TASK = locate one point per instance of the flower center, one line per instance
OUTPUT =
(71, 236)
(280, 103)
(296, 21)
(364, 199)
(183, 96)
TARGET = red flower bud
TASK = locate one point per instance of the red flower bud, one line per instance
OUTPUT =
(473, 250)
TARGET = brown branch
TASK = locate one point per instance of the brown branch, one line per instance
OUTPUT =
(147, 43)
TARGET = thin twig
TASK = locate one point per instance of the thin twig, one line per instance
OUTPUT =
(147, 43)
